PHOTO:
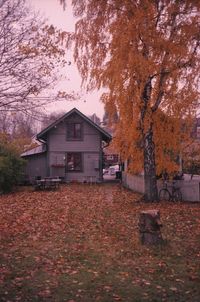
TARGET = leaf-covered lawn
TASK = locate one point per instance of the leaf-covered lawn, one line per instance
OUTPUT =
(81, 243)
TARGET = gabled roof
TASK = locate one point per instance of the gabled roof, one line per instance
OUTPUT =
(105, 135)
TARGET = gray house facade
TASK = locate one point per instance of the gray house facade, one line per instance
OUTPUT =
(71, 148)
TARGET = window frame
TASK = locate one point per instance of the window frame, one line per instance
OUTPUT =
(81, 162)
(74, 137)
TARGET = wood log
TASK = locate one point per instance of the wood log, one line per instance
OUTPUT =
(150, 227)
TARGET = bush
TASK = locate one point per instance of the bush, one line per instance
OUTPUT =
(11, 168)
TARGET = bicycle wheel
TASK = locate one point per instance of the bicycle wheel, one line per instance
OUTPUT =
(177, 196)
(164, 195)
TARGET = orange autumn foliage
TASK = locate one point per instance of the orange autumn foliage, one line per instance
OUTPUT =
(146, 53)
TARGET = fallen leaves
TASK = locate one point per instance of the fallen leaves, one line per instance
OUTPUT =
(81, 243)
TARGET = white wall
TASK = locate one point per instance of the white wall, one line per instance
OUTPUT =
(133, 182)
(190, 189)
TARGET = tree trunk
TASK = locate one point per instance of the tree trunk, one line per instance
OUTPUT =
(150, 182)
(150, 227)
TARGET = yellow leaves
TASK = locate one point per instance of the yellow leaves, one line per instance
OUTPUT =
(17, 144)
(46, 46)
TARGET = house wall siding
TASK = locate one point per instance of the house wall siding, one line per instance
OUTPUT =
(59, 143)
(89, 146)
(53, 162)
(36, 166)
(57, 138)
(89, 169)
(91, 166)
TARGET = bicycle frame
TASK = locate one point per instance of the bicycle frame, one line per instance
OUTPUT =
(170, 195)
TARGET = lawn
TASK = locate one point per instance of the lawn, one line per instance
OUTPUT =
(81, 243)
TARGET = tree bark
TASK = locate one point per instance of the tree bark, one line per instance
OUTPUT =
(150, 227)
(150, 181)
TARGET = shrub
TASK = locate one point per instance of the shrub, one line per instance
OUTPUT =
(11, 168)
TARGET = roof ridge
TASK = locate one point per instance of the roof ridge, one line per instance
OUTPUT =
(44, 131)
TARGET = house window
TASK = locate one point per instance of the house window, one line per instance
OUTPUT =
(74, 162)
(74, 131)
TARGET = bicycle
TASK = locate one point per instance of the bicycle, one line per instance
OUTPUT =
(166, 195)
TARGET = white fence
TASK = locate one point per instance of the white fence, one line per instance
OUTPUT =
(133, 182)
(190, 189)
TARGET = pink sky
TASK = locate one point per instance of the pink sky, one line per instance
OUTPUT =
(88, 103)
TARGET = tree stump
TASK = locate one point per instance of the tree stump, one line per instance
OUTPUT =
(150, 227)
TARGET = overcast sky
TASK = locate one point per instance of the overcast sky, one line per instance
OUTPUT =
(88, 103)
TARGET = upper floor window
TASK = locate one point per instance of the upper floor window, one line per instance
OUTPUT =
(74, 131)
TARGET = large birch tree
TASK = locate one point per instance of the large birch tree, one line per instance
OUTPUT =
(146, 53)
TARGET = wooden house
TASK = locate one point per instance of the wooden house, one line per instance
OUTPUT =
(71, 148)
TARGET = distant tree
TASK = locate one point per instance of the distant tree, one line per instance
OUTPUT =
(19, 128)
(31, 54)
(106, 118)
(110, 120)
(146, 53)
(50, 118)
(191, 158)
(95, 119)
(16, 124)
